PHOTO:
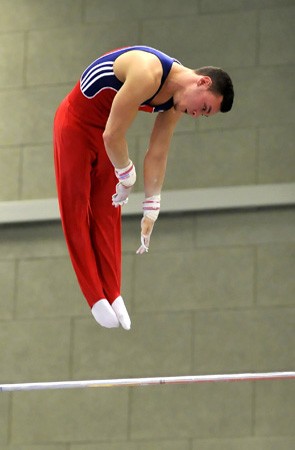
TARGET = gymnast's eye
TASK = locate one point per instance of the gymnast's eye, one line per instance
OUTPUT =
(204, 109)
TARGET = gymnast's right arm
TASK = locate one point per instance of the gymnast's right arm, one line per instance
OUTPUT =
(141, 78)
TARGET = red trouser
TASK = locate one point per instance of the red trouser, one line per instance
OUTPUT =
(92, 225)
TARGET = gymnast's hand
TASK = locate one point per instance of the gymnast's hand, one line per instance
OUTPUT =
(127, 178)
(151, 209)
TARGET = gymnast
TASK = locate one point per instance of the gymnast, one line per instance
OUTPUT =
(94, 174)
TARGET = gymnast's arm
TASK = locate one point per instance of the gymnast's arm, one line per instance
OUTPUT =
(156, 156)
(155, 163)
(141, 77)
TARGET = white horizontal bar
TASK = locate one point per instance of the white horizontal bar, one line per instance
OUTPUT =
(147, 381)
(230, 197)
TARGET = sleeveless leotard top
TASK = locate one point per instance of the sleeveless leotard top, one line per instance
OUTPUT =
(92, 97)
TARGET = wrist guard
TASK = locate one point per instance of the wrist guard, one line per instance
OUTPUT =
(127, 175)
(151, 207)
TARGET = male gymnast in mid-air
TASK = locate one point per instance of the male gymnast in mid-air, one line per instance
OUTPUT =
(94, 173)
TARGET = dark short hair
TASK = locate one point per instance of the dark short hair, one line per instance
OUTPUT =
(221, 84)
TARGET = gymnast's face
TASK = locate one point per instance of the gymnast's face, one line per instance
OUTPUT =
(197, 100)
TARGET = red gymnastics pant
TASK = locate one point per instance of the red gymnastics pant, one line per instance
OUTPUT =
(92, 225)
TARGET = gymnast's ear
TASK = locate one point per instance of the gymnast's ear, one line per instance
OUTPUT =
(204, 81)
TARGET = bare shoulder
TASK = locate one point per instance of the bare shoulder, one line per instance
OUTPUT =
(168, 119)
(138, 63)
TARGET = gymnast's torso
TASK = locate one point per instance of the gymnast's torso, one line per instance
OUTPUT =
(92, 97)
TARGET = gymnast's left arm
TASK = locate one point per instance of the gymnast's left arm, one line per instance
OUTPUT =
(155, 163)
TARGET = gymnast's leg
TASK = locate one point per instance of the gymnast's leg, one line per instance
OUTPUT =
(73, 166)
(105, 229)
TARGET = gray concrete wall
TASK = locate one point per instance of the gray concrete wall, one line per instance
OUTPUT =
(215, 294)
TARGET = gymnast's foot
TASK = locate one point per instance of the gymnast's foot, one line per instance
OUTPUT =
(104, 314)
(119, 307)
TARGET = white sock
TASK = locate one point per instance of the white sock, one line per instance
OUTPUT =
(121, 312)
(104, 314)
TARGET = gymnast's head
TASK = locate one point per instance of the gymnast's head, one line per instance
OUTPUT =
(221, 85)
(204, 92)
